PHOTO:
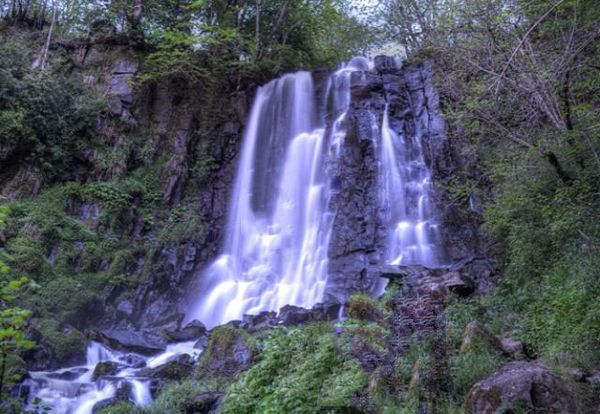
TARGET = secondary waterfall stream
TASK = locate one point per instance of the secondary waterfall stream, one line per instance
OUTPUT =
(405, 196)
(275, 251)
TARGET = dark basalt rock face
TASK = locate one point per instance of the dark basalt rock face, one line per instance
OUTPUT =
(357, 238)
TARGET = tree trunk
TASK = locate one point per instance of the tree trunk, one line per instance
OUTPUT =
(2, 371)
(136, 14)
(257, 30)
(42, 59)
(135, 19)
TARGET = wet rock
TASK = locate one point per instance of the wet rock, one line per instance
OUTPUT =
(326, 312)
(125, 308)
(263, 320)
(68, 375)
(122, 394)
(192, 331)
(101, 405)
(133, 360)
(294, 315)
(201, 343)
(176, 369)
(141, 342)
(106, 369)
(205, 402)
(123, 391)
(171, 323)
(232, 128)
(521, 385)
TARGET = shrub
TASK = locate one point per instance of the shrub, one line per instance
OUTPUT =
(361, 306)
(175, 399)
(301, 371)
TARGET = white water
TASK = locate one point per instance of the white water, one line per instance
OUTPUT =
(405, 195)
(80, 395)
(277, 236)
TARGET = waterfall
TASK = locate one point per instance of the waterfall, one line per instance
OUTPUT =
(405, 198)
(280, 222)
(278, 230)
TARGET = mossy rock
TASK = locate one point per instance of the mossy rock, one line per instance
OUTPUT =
(65, 344)
(15, 370)
(229, 351)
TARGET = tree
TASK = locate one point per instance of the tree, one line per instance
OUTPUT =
(510, 64)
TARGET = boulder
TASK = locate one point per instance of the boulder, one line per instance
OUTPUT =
(134, 341)
(133, 360)
(124, 391)
(511, 346)
(263, 320)
(521, 385)
(192, 331)
(102, 404)
(201, 343)
(291, 315)
(205, 402)
(105, 369)
(176, 369)
(171, 323)
(125, 307)
(228, 352)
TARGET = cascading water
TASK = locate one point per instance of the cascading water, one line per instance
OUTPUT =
(277, 236)
(405, 197)
(74, 390)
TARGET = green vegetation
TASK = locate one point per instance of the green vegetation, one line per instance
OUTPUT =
(46, 117)
(300, 371)
(13, 320)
